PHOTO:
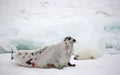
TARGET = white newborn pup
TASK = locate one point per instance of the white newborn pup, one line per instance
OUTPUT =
(88, 53)
(53, 56)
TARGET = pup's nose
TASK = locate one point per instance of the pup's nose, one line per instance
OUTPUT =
(75, 58)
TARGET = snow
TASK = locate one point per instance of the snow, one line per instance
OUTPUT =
(105, 65)
(44, 22)
(29, 24)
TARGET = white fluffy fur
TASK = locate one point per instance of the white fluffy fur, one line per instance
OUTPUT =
(88, 53)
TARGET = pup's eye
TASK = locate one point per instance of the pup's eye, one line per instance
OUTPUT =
(77, 56)
(69, 38)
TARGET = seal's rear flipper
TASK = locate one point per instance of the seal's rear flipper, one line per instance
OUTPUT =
(14, 49)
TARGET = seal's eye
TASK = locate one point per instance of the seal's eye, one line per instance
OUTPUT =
(69, 38)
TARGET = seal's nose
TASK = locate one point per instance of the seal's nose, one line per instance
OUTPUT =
(74, 40)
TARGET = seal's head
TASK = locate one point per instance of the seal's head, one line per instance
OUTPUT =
(70, 39)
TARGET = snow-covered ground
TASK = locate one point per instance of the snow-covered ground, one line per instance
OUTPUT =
(105, 65)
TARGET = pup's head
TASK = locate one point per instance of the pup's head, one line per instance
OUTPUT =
(69, 39)
(77, 57)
